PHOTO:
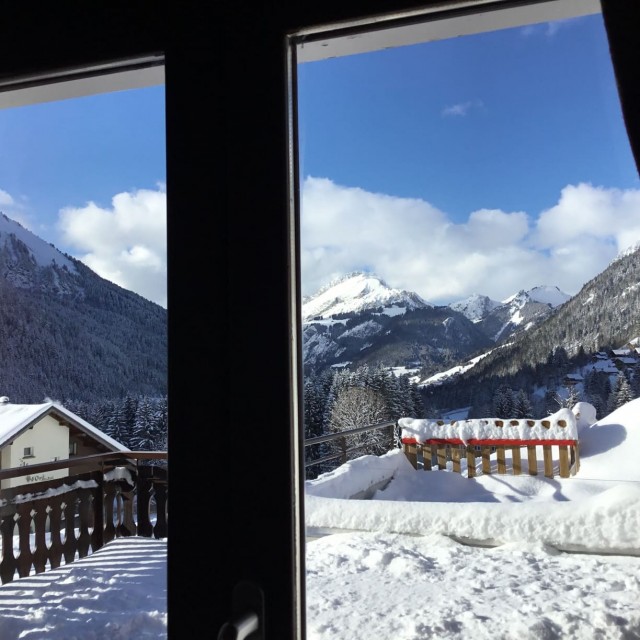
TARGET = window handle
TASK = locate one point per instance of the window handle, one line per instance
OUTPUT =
(241, 628)
(248, 612)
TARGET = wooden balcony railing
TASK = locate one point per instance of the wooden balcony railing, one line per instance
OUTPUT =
(46, 524)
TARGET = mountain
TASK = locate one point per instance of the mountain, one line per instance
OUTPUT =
(67, 333)
(521, 312)
(359, 320)
(604, 315)
(358, 292)
(476, 307)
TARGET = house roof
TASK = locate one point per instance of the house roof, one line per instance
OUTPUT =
(16, 418)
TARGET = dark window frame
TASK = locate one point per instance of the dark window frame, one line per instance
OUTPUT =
(231, 190)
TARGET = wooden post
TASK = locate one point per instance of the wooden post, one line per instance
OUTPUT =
(471, 461)
(486, 460)
(442, 456)
(502, 467)
(548, 461)
(455, 457)
(533, 462)
(411, 451)
(427, 457)
(517, 462)
(564, 461)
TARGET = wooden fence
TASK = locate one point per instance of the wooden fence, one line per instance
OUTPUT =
(46, 524)
(438, 452)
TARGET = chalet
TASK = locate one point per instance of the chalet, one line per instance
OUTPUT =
(35, 433)
(572, 379)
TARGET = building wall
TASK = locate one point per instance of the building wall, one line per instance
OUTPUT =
(49, 439)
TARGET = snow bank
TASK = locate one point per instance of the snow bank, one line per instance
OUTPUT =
(562, 425)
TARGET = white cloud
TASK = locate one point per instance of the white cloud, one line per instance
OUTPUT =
(462, 108)
(5, 199)
(126, 243)
(14, 209)
(585, 213)
(548, 29)
(413, 245)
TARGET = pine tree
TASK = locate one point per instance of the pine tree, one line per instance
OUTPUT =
(144, 434)
(522, 407)
(503, 402)
(620, 395)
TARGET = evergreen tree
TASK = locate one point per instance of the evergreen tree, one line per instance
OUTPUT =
(144, 433)
(503, 402)
(635, 381)
(620, 395)
(522, 406)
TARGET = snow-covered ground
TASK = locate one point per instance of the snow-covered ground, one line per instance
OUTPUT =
(400, 566)
(396, 567)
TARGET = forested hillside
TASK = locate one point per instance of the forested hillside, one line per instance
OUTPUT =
(91, 344)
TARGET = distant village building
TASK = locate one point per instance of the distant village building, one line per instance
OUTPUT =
(36, 433)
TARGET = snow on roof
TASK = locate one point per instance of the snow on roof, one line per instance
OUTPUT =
(559, 426)
(15, 417)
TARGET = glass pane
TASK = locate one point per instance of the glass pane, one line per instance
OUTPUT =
(469, 210)
(83, 329)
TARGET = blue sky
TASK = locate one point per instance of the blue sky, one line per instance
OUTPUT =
(489, 163)
(481, 164)
(88, 175)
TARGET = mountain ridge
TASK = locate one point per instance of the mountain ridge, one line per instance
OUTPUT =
(359, 319)
(67, 333)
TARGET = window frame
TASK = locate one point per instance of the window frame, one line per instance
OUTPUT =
(231, 197)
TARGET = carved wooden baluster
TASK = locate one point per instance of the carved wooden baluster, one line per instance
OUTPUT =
(69, 546)
(160, 492)
(8, 564)
(144, 494)
(55, 525)
(97, 493)
(86, 520)
(128, 525)
(40, 553)
(110, 501)
(24, 532)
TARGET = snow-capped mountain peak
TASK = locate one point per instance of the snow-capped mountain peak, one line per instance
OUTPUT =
(357, 292)
(43, 253)
(544, 294)
(475, 307)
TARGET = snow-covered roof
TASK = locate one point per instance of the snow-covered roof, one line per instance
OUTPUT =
(561, 425)
(15, 418)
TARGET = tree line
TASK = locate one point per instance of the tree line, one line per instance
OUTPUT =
(339, 400)
(137, 422)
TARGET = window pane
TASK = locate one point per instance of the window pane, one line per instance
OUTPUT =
(442, 182)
